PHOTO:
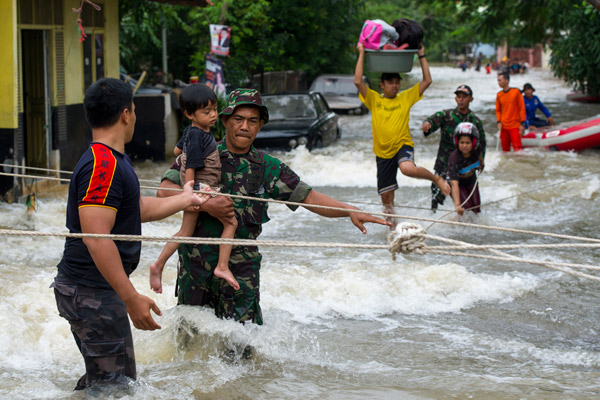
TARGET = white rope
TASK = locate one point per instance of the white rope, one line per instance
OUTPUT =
(192, 240)
(540, 263)
(463, 203)
(422, 219)
(468, 246)
(356, 202)
(406, 238)
(53, 171)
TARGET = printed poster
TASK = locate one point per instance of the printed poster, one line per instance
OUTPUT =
(220, 36)
(215, 77)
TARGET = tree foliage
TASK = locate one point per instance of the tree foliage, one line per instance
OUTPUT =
(318, 36)
(576, 52)
(266, 35)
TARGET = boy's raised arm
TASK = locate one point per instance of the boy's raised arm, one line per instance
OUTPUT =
(424, 84)
(358, 71)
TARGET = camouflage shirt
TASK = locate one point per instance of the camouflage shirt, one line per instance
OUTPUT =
(447, 120)
(255, 174)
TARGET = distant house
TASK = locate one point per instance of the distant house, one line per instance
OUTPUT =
(45, 72)
(536, 56)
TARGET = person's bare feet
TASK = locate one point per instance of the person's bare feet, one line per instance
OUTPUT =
(225, 273)
(442, 184)
(156, 277)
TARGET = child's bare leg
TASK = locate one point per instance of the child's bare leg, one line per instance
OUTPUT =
(387, 199)
(222, 270)
(187, 229)
(408, 168)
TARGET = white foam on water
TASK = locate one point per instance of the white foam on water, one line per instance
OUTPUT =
(517, 349)
(344, 169)
(369, 290)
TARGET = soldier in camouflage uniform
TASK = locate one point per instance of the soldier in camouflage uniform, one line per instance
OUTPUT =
(446, 121)
(249, 172)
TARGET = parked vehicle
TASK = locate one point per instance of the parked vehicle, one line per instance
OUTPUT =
(341, 93)
(298, 119)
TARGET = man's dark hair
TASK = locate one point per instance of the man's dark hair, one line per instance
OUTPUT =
(196, 96)
(388, 76)
(105, 100)
(505, 74)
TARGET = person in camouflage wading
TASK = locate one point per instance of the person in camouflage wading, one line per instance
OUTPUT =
(446, 121)
(249, 172)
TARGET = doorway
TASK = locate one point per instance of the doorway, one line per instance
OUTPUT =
(36, 104)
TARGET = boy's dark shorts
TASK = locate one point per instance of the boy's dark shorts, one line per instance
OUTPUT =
(387, 169)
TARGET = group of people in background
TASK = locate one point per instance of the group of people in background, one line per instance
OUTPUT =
(92, 287)
(462, 146)
(512, 67)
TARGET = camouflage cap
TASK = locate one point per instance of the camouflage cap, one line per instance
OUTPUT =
(240, 97)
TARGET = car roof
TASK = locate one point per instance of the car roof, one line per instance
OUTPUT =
(334, 76)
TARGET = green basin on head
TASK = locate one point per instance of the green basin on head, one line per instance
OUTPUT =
(390, 60)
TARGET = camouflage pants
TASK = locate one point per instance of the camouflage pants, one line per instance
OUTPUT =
(198, 286)
(441, 165)
(100, 326)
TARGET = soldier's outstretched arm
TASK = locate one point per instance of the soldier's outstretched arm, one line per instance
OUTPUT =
(358, 219)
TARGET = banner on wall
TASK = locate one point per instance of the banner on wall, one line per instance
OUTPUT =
(220, 36)
(215, 77)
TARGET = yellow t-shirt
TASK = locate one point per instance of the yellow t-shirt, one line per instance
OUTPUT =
(390, 120)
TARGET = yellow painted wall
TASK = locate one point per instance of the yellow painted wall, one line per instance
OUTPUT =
(8, 76)
(111, 26)
(74, 87)
(73, 55)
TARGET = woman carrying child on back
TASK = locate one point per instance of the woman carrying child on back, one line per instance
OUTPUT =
(462, 164)
(201, 163)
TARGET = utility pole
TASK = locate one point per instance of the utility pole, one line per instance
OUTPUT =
(223, 15)
(165, 66)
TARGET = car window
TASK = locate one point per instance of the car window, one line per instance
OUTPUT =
(290, 106)
(321, 104)
(335, 86)
(347, 87)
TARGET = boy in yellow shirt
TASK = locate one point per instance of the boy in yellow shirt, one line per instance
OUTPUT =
(392, 143)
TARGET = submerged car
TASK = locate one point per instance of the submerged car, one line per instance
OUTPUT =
(340, 93)
(298, 119)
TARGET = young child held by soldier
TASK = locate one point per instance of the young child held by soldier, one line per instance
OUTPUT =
(202, 164)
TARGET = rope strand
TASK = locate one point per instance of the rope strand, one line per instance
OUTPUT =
(419, 248)
(380, 214)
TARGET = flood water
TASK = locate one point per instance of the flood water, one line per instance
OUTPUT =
(351, 323)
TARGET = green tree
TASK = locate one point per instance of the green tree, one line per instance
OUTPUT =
(576, 54)
(140, 39)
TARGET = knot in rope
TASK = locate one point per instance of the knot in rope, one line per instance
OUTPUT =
(407, 238)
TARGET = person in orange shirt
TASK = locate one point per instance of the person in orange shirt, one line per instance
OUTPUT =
(510, 114)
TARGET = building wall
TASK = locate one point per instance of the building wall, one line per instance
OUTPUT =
(73, 49)
(65, 80)
(9, 75)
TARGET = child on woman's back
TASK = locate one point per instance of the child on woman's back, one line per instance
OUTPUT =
(201, 163)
